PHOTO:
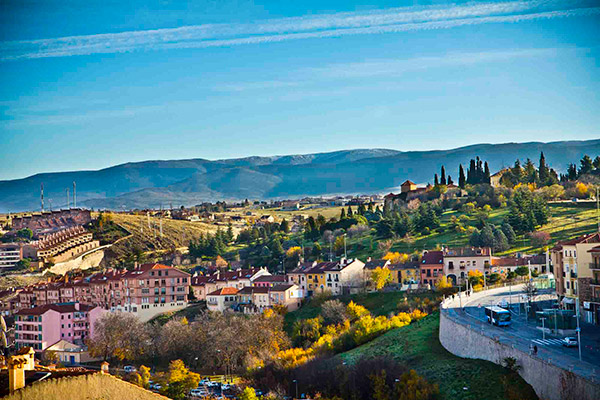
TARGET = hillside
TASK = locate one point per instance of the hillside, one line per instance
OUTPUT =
(189, 182)
(417, 345)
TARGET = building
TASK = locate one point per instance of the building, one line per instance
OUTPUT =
(298, 276)
(149, 290)
(591, 299)
(223, 299)
(408, 186)
(70, 354)
(50, 220)
(43, 326)
(406, 275)
(571, 260)
(431, 268)
(269, 280)
(239, 278)
(65, 244)
(12, 253)
(288, 296)
(458, 262)
(496, 179)
(504, 265)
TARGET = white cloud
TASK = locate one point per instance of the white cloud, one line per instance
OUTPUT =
(308, 27)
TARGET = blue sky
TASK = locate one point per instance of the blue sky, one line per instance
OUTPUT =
(86, 85)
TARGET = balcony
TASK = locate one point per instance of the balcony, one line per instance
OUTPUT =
(594, 266)
(595, 282)
(595, 300)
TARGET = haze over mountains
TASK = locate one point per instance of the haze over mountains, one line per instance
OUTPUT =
(190, 182)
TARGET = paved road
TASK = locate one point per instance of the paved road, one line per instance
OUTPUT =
(523, 334)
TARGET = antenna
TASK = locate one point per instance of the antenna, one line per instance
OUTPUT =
(67, 191)
(42, 195)
(74, 195)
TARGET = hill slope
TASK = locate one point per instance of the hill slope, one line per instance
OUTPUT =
(188, 182)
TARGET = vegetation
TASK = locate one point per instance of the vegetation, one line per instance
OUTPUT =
(418, 346)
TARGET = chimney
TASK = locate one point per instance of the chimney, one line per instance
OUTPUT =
(76, 306)
(104, 367)
(16, 373)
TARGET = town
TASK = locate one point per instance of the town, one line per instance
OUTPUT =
(75, 300)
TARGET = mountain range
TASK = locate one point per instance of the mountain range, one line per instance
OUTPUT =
(189, 182)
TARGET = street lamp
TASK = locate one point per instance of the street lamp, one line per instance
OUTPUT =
(543, 328)
(578, 329)
(296, 382)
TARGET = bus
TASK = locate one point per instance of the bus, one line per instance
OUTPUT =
(497, 316)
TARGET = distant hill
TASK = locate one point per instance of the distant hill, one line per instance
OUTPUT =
(189, 182)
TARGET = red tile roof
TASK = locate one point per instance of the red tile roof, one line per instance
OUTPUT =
(61, 308)
(433, 257)
(227, 291)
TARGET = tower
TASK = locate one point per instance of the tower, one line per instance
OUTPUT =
(74, 195)
(42, 196)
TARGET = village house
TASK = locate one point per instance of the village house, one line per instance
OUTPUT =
(431, 268)
(458, 262)
(221, 299)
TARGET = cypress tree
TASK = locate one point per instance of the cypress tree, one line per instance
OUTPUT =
(461, 177)
(349, 211)
(435, 180)
(486, 173)
(543, 171)
(343, 214)
(450, 182)
(443, 176)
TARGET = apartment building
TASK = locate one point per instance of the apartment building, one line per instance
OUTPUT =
(571, 263)
(431, 268)
(298, 276)
(43, 326)
(458, 262)
(336, 277)
(591, 299)
(66, 243)
(150, 289)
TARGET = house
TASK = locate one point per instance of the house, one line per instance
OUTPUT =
(406, 275)
(240, 278)
(431, 268)
(222, 299)
(298, 276)
(590, 289)
(458, 262)
(69, 353)
(288, 296)
(342, 277)
(408, 186)
(269, 280)
(504, 265)
(496, 179)
(43, 326)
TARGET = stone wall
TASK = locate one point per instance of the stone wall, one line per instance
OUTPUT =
(88, 260)
(549, 381)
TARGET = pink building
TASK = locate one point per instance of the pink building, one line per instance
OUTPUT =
(269, 280)
(41, 327)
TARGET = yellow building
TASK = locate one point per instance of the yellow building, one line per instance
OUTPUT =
(407, 273)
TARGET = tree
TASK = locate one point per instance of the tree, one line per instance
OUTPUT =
(486, 173)
(23, 265)
(349, 213)
(248, 394)
(118, 335)
(412, 386)
(316, 251)
(543, 171)
(586, 166)
(145, 376)
(381, 277)
(25, 233)
(179, 381)
(342, 214)
(597, 163)
(522, 271)
(396, 257)
(461, 177)
(436, 181)
(572, 172)
(443, 283)
(334, 312)
(539, 238)
(450, 181)
(443, 176)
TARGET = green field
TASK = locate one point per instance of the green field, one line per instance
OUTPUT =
(417, 345)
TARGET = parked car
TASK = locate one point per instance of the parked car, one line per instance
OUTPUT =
(129, 369)
(569, 342)
(155, 386)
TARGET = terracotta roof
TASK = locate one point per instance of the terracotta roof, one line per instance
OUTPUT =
(591, 238)
(408, 182)
(254, 289)
(61, 308)
(226, 291)
(433, 257)
(518, 261)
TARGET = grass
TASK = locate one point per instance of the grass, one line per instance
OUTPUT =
(417, 345)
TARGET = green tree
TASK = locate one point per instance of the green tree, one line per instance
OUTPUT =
(543, 171)
(23, 265)
(343, 214)
(522, 271)
(381, 391)
(25, 233)
(285, 226)
(443, 176)
(597, 163)
(436, 181)
(349, 213)
(486, 173)
(461, 177)
(586, 165)
(316, 251)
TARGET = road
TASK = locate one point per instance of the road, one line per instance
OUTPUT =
(523, 334)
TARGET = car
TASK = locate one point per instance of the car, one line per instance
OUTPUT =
(129, 369)
(155, 386)
(203, 382)
(569, 342)
(198, 393)
(225, 386)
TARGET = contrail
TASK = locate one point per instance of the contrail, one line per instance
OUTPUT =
(394, 20)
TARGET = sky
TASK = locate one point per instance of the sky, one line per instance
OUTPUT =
(90, 84)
